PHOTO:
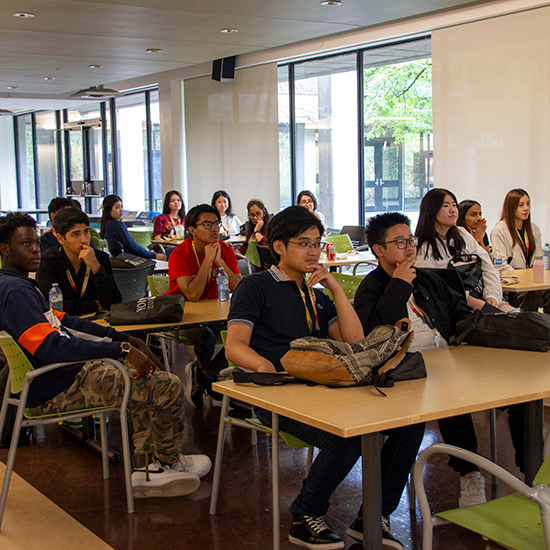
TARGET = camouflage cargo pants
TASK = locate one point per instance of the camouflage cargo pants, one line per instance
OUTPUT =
(156, 404)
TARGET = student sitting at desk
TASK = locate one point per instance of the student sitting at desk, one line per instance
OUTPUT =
(46, 336)
(268, 311)
(395, 289)
(83, 274)
(48, 239)
(193, 269)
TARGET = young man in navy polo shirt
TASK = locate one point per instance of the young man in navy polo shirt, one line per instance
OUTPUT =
(193, 269)
(268, 311)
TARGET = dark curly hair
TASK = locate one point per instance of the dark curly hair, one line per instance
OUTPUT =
(11, 222)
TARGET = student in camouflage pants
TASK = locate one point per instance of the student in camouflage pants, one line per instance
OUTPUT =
(156, 403)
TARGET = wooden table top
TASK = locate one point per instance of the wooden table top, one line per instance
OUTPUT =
(194, 314)
(525, 281)
(352, 258)
(460, 380)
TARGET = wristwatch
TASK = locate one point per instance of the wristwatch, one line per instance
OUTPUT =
(125, 348)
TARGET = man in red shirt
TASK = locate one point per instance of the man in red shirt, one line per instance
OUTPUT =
(193, 269)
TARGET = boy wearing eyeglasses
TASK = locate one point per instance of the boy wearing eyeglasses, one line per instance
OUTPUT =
(193, 269)
(268, 311)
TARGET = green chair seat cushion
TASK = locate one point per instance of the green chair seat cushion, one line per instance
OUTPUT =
(289, 439)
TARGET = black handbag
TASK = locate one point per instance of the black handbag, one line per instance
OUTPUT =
(526, 330)
(156, 309)
(470, 271)
(130, 261)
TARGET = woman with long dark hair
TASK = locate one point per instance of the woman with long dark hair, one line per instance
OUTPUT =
(517, 238)
(221, 201)
(256, 226)
(112, 228)
(471, 218)
(440, 240)
(308, 200)
(173, 214)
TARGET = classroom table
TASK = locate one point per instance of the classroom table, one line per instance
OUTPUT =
(525, 281)
(460, 380)
(352, 258)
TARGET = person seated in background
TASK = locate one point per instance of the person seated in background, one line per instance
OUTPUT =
(439, 240)
(231, 225)
(113, 228)
(46, 336)
(396, 289)
(173, 214)
(48, 239)
(268, 311)
(470, 217)
(94, 235)
(257, 224)
(193, 269)
(308, 200)
(84, 275)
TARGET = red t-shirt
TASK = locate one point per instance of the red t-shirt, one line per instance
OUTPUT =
(183, 263)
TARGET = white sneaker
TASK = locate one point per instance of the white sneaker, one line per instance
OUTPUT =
(198, 465)
(163, 482)
(472, 490)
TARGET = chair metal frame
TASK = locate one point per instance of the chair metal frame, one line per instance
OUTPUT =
(22, 373)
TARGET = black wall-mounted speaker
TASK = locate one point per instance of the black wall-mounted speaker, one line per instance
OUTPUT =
(223, 70)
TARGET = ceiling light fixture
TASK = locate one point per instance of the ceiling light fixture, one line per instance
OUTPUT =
(229, 30)
(154, 50)
(96, 92)
(95, 66)
(49, 78)
(331, 3)
(24, 15)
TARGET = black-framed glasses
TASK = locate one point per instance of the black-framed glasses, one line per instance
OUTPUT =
(402, 243)
(208, 225)
(305, 245)
(255, 214)
(303, 202)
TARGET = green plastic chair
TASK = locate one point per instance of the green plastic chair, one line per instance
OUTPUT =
(348, 282)
(143, 238)
(520, 520)
(342, 243)
(254, 425)
(21, 374)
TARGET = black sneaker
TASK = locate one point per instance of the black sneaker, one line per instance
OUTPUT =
(311, 532)
(355, 531)
(194, 385)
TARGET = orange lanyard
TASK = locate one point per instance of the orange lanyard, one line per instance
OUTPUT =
(84, 284)
(309, 320)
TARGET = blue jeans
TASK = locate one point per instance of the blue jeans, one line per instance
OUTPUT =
(338, 455)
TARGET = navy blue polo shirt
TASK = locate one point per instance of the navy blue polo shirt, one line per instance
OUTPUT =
(271, 305)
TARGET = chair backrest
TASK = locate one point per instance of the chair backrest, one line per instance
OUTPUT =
(18, 362)
(348, 282)
(342, 243)
(356, 233)
(114, 246)
(143, 238)
(158, 284)
(266, 258)
(252, 253)
(132, 283)
(331, 232)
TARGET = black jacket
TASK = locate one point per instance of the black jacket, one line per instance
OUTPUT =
(382, 300)
(101, 285)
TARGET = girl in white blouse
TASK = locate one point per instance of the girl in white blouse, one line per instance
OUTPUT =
(231, 225)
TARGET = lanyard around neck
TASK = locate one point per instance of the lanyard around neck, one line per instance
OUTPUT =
(84, 284)
(313, 300)
(207, 289)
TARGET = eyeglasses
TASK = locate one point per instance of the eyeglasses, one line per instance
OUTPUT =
(255, 214)
(402, 243)
(305, 245)
(208, 225)
(304, 203)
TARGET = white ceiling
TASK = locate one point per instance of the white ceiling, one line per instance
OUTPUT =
(66, 36)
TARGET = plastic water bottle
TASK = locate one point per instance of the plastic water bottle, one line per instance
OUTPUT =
(538, 270)
(499, 261)
(56, 298)
(179, 231)
(223, 286)
(546, 256)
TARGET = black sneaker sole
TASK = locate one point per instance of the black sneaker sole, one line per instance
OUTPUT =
(314, 546)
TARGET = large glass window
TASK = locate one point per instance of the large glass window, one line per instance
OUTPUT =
(25, 161)
(156, 173)
(47, 160)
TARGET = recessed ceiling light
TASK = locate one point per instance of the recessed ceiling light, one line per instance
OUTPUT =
(11, 87)
(154, 50)
(95, 66)
(24, 15)
(49, 78)
(331, 3)
(229, 30)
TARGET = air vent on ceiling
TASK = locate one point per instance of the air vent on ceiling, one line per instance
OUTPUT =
(97, 92)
